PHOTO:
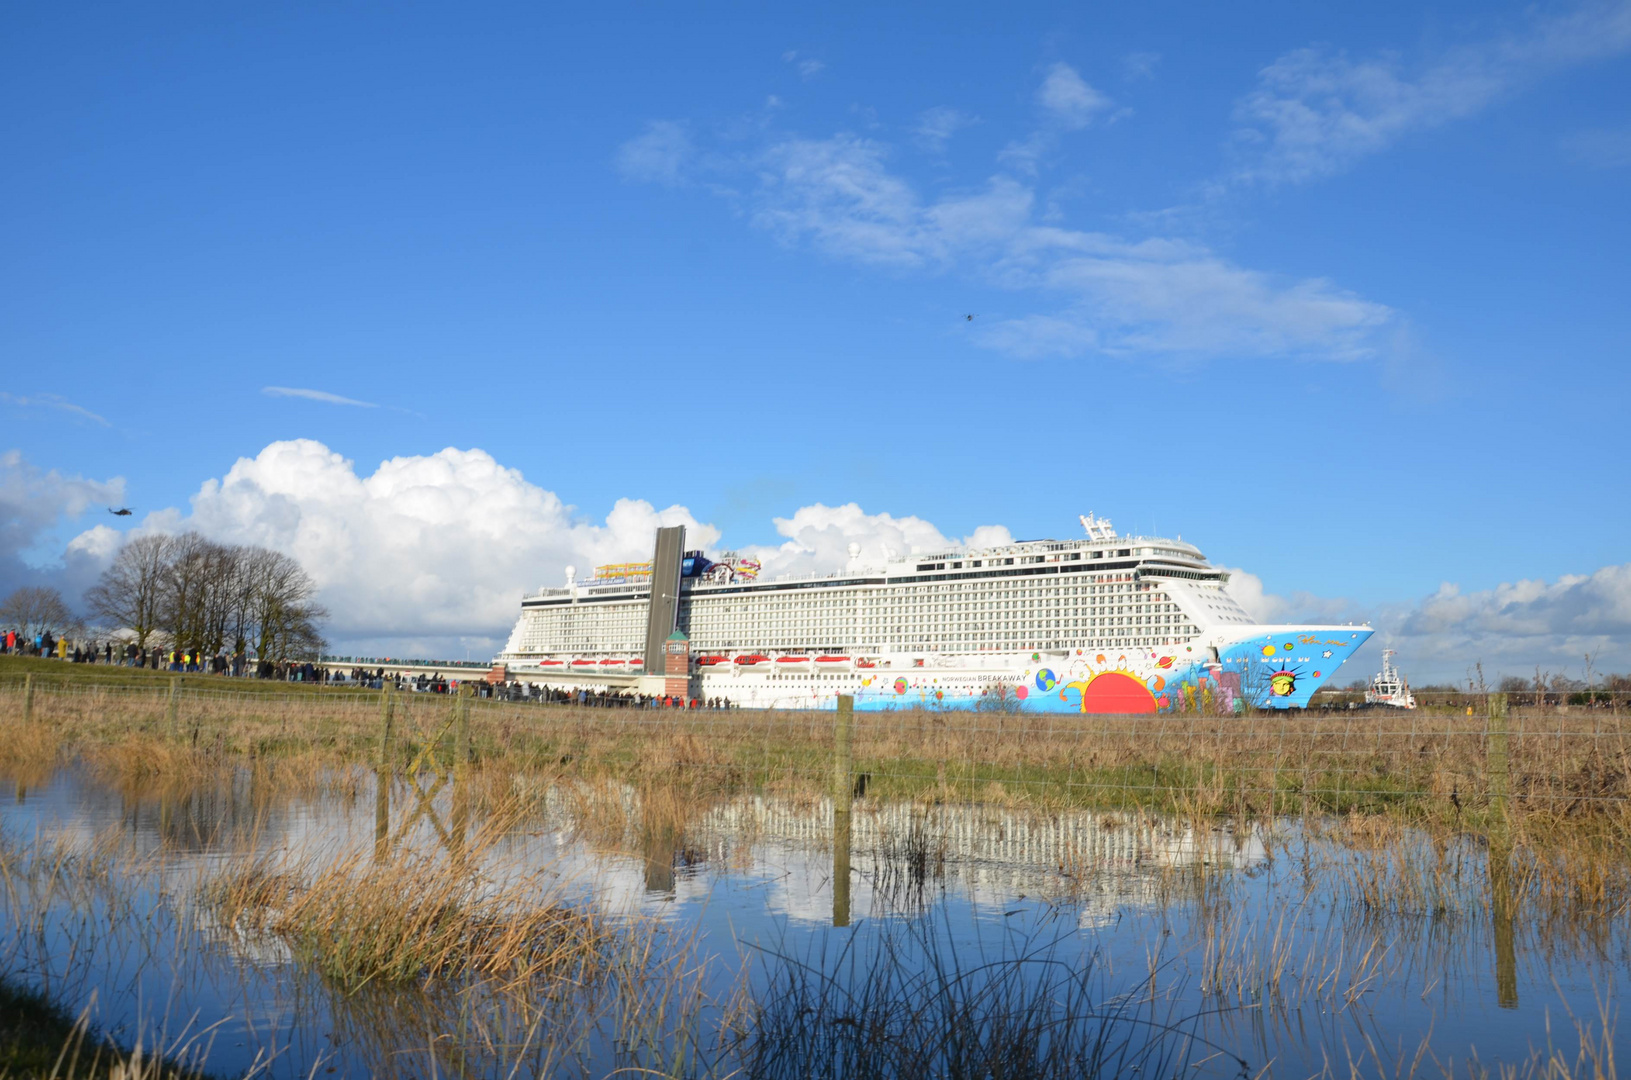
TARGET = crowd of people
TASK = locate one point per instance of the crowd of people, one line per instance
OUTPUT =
(239, 664)
(614, 699)
(113, 652)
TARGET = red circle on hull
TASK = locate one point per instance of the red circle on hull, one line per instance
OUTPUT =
(1113, 692)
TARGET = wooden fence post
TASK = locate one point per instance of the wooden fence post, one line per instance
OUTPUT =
(1497, 762)
(172, 710)
(383, 775)
(843, 795)
(461, 729)
(28, 698)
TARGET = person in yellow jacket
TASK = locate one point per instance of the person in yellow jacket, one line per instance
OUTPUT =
(62, 648)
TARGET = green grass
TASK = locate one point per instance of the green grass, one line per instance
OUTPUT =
(39, 1038)
(50, 672)
(33, 1031)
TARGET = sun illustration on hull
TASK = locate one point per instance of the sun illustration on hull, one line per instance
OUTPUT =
(1116, 691)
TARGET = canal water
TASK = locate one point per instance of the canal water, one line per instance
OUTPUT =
(1284, 948)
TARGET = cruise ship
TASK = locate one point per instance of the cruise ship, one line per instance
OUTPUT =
(1099, 624)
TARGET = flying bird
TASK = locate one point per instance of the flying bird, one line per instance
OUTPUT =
(123, 511)
(968, 318)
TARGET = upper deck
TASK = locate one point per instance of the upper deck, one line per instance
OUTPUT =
(1101, 550)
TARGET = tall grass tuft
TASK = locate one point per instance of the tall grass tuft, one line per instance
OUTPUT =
(413, 920)
(909, 1001)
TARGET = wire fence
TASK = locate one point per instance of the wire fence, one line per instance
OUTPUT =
(1451, 761)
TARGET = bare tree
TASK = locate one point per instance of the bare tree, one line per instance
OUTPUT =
(211, 596)
(283, 616)
(130, 592)
(34, 609)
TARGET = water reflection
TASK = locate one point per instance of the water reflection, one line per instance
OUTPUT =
(1230, 918)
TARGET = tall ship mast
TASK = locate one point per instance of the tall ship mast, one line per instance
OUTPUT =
(1100, 624)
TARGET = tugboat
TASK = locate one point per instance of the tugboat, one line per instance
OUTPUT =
(1389, 687)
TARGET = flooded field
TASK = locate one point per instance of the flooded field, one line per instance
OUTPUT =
(505, 923)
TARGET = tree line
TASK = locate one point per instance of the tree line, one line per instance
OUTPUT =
(211, 597)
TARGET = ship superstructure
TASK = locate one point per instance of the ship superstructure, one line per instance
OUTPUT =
(1101, 623)
(1389, 686)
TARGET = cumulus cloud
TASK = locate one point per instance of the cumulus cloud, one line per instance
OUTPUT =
(1511, 628)
(1068, 99)
(819, 538)
(1316, 112)
(659, 154)
(34, 502)
(429, 546)
(1518, 625)
(1248, 591)
(437, 549)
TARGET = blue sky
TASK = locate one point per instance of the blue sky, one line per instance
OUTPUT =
(1337, 294)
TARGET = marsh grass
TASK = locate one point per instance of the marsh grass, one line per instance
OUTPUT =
(1574, 767)
(908, 1001)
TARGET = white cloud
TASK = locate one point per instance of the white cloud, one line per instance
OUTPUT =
(426, 546)
(1069, 99)
(1517, 625)
(838, 193)
(819, 538)
(1511, 628)
(315, 395)
(1155, 296)
(660, 154)
(936, 126)
(1248, 591)
(33, 503)
(1173, 297)
(52, 401)
(1314, 112)
(437, 549)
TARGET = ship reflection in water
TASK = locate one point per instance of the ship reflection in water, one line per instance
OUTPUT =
(756, 878)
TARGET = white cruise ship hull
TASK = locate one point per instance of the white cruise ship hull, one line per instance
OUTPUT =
(1105, 624)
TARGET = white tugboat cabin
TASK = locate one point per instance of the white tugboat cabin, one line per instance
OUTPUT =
(1389, 687)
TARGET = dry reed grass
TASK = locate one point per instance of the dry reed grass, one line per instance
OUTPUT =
(416, 920)
(1569, 766)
